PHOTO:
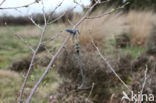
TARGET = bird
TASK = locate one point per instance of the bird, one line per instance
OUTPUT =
(73, 32)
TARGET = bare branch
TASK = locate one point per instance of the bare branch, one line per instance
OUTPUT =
(51, 14)
(31, 19)
(145, 78)
(47, 69)
(33, 57)
(70, 22)
(99, 2)
(93, 84)
(109, 65)
(2, 2)
(52, 38)
(59, 17)
(85, 16)
(59, 50)
(44, 14)
(110, 12)
(37, 25)
(48, 51)
(143, 85)
(18, 36)
(20, 6)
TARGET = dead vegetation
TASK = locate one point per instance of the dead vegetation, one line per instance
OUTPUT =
(140, 26)
(22, 64)
(96, 71)
(100, 29)
(137, 32)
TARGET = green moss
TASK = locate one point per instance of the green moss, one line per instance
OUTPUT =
(127, 80)
(134, 51)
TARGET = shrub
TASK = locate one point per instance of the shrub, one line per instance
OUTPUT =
(95, 71)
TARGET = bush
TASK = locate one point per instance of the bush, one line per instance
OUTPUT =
(95, 71)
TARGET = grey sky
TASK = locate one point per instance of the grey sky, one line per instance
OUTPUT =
(36, 8)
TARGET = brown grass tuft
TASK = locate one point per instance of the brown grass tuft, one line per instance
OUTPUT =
(29, 31)
(100, 29)
(8, 74)
(140, 23)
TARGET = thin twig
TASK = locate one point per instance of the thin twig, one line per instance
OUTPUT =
(52, 38)
(112, 98)
(52, 13)
(143, 85)
(48, 51)
(145, 79)
(90, 93)
(70, 22)
(20, 6)
(46, 71)
(31, 19)
(110, 12)
(18, 36)
(60, 16)
(109, 65)
(2, 2)
(33, 58)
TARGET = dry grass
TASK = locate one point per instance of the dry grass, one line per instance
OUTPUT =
(8, 74)
(141, 25)
(100, 29)
(137, 24)
(29, 31)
